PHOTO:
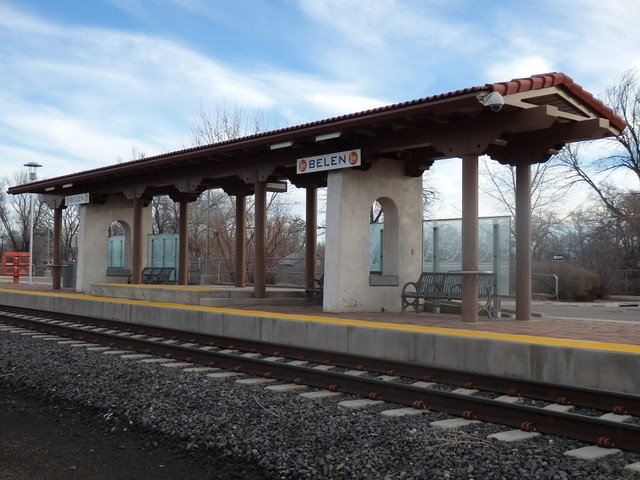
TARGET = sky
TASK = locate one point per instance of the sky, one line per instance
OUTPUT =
(85, 84)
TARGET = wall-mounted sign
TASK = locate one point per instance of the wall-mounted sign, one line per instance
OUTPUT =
(277, 187)
(330, 161)
(79, 199)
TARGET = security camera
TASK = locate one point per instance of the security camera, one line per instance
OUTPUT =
(494, 101)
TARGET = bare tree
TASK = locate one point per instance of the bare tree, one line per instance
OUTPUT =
(225, 122)
(14, 217)
(624, 98)
(165, 214)
(15, 214)
(620, 218)
(430, 195)
(548, 186)
(70, 226)
(212, 217)
(136, 154)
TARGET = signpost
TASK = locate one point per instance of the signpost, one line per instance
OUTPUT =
(557, 257)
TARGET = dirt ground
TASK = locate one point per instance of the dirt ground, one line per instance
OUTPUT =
(49, 441)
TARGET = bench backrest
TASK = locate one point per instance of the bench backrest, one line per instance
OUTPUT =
(485, 284)
(430, 281)
(450, 281)
(165, 274)
(156, 274)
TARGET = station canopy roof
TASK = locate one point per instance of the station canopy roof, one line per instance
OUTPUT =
(539, 116)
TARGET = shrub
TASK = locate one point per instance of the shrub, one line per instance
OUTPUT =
(578, 284)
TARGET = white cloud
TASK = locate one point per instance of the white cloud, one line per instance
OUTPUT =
(79, 97)
(594, 42)
(93, 94)
(518, 67)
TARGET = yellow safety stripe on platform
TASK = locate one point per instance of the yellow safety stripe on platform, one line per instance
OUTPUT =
(456, 332)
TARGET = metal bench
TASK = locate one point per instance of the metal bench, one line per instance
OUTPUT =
(437, 286)
(485, 290)
(314, 290)
(156, 275)
(428, 286)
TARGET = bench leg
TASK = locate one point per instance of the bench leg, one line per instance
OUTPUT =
(487, 308)
(415, 304)
(436, 306)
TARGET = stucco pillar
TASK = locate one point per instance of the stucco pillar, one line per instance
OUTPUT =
(470, 237)
(348, 285)
(241, 240)
(523, 241)
(183, 253)
(260, 261)
(56, 269)
(136, 241)
(93, 237)
(311, 227)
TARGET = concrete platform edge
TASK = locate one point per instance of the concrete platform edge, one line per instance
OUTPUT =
(575, 366)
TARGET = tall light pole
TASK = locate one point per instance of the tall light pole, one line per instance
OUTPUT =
(32, 166)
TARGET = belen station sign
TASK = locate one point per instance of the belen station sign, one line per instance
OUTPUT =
(330, 161)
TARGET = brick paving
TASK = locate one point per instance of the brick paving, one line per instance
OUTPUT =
(572, 329)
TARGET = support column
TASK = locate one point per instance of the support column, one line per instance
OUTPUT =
(311, 233)
(523, 241)
(241, 240)
(136, 242)
(56, 269)
(183, 253)
(469, 237)
(260, 261)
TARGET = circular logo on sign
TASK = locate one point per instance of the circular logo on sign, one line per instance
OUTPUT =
(353, 158)
(302, 165)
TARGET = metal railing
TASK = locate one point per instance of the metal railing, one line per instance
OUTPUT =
(556, 294)
(221, 271)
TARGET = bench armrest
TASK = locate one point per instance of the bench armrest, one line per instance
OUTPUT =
(412, 285)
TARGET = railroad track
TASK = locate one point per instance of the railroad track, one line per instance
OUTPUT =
(518, 404)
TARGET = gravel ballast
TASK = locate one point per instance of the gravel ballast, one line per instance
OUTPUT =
(239, 431)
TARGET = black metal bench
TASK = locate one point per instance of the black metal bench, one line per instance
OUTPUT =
(485, 290)
(428, 286)
(437, 286)
(314, 290)
(156, 275)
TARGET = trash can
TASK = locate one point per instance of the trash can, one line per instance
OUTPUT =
(69, 274)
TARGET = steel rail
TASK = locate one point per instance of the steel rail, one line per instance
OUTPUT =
(608, 401)
(618, 402)
(602, 432)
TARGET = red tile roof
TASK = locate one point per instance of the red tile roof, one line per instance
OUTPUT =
(545, 80)
(535, 82)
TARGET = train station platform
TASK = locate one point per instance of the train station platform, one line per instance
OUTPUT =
(594, 345)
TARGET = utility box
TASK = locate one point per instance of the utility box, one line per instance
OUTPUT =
(15, 264)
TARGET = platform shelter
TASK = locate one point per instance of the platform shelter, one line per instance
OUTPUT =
(373, 155)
